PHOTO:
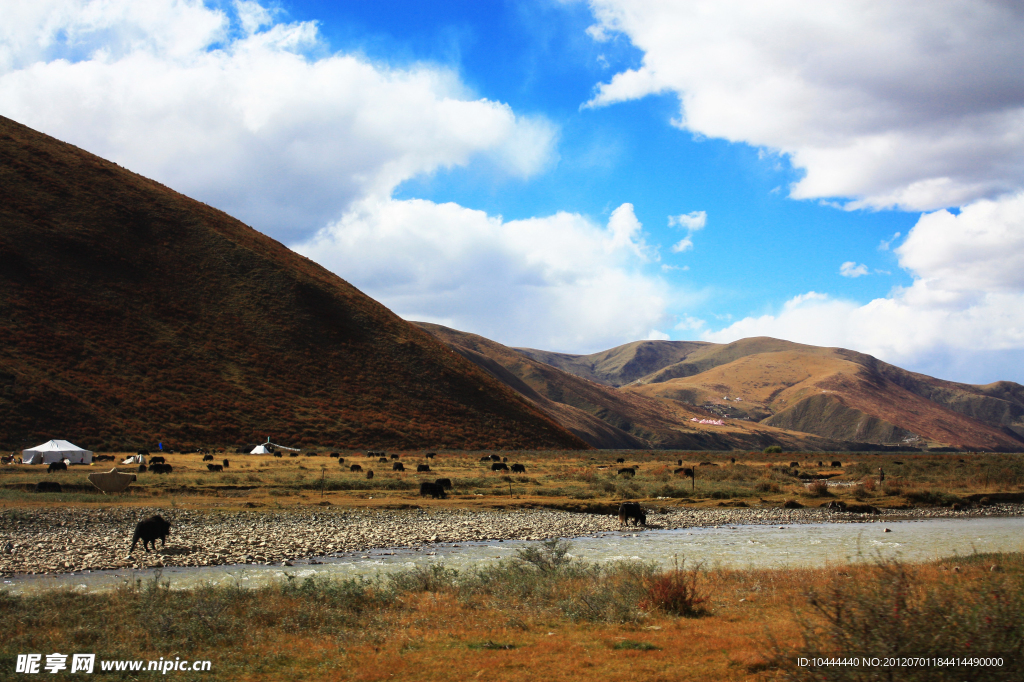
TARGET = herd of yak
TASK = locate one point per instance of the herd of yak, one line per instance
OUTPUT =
(154, 528)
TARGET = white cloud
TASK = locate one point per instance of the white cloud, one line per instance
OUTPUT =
(246, 113)
(917, 105)
(655, 335)
(962, 317)
(851, 269)
(691, 222)
(559, 282)
(886, 243)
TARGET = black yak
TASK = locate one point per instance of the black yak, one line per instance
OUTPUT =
(632, 511)
(433, 489)
(445, 483)
(518, 469)
(422, 467)
(56, 466)
(499, 466)
(148, 530)
(397, 466)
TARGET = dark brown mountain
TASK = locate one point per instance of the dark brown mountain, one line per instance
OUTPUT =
(132, 313)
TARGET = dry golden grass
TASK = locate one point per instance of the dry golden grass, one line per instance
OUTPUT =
(584, 481)
(751, 631)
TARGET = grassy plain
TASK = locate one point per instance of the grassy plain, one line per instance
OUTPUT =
(573, 480)
(546, 616)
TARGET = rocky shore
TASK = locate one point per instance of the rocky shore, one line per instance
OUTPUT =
(69, 540)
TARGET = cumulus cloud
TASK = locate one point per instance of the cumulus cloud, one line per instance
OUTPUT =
(250, 114)
(962, 317)
(851, 269)
(558, 282)
(917, 105)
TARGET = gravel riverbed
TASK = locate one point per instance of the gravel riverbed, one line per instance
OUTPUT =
(69, 540)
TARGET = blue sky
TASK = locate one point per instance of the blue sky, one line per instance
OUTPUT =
(576, 175)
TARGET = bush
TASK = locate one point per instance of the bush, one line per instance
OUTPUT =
(818, 489)
(772, 450)
(894, 612)
(675, 592)
(768, 487)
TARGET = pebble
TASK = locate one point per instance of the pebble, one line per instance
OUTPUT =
(69, 540)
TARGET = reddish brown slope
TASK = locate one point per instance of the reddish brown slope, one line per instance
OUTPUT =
(133, 313)
(624, 414)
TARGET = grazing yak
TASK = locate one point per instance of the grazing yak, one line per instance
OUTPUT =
(679, 462)
(431, 455)
(632, 511)
(341, 460)
(398, 466)
(276, 454)
(422, 467)
(627, 471)
(159, 468)
(142, 469)
(620, 460)
(56, 466)
(335, 454)
(518, 469)
(103, 458)
(355, 467)
(794, 465)
(157, 460)
(226, 464)
(207, 458)
(685, 471)
(47, 487)
(495, 458)
(293, 454)
(369, 474)
(215, 467)
(445, 483)
(394, 456)
(836, 464)
(433, 489)
(382, 460)
(499, 466)
(148, 530)
(485, 458)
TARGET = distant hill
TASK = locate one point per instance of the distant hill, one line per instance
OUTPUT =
(607, 417)
(132, 314)
(830, 392)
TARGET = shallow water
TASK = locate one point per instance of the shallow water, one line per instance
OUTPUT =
(727, 546)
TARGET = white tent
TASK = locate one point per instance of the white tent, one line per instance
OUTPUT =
(260, 450)
(56, 451)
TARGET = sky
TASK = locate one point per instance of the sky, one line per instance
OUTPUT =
(572, 175)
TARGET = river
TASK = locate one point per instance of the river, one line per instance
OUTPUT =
(744, 546)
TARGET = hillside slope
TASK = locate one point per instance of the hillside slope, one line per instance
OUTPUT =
(840, 394)
(133, 313)
(610, 417)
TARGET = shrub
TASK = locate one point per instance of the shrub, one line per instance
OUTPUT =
(675, 592)
(818, 489)
(772, 450)
(895, 612)
(768, 487)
